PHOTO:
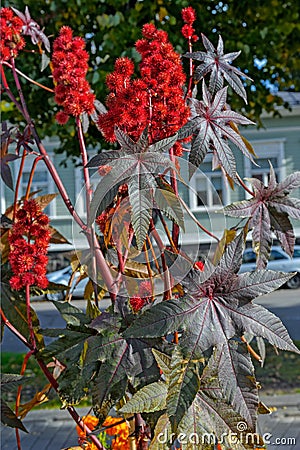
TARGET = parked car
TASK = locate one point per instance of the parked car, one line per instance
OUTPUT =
(62, 276)
(279, 260)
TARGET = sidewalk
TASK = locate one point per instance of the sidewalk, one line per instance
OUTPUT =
(55, 430)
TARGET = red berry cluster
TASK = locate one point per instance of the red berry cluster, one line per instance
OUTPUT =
(70, 66)
(155, 99)
(11, 40)
(29, 240)
(138, 301)
(189, 17)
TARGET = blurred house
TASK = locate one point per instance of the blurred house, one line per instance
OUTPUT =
(277, 141)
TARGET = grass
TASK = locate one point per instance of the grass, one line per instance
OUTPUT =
(12, 363)
(280, 374)
(281, 371)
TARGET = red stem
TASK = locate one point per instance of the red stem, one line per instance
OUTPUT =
(8, 91)
(14, 330)
(29, 79)
(197, 221)
(166, 275)
(101, 263)
(175, 227)
(245, 186)
(37, 159)
(29, 318)
(18, 397)
(19, 182)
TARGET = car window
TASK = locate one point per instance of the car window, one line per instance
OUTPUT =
(249, 257)
(275, 255)
(297, 253)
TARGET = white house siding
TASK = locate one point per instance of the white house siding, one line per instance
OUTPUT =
(283, 132)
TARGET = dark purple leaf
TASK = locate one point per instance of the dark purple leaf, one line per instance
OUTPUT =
(236, 377)
(31, 28)
(261, 236)
(210, 126)
(283, 230)
(219, 64)
(269, 210)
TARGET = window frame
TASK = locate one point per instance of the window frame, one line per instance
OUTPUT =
(207, 176)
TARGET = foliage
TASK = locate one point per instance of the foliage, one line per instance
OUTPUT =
(112, 27)
(174, 361)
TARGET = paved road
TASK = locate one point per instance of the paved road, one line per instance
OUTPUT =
(285, 303)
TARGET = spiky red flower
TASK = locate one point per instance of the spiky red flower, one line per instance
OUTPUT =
(188, 15)
(136, 303)
(155, 99)
(70, 66)
(11, 41)
(101, 221)
(29, 240)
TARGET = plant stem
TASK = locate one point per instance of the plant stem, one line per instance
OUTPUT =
(245, 186)
(71, 410)
(175, 249)
(175, 228)
(153, 254)
(37, 159)
(166, 274)
(29, 79)
(14, 330)
(101, 263)
(197, 221)
(19, 182)
(8, 91)
(18, 397)
(29, 318)
(88, 194)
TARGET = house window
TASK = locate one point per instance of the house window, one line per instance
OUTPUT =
(267, 151)
(208, 188)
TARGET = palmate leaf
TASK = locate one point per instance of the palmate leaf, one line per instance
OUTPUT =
(137, 164)
(217, 306)
(219, 65)
(236, 377)
(269, 210)
(211, 128)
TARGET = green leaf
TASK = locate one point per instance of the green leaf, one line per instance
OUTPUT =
(148, 399)
(10, 381)
(15, 310)
(183, 387)
(71, 314)
(9, 418)
(162, 431)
